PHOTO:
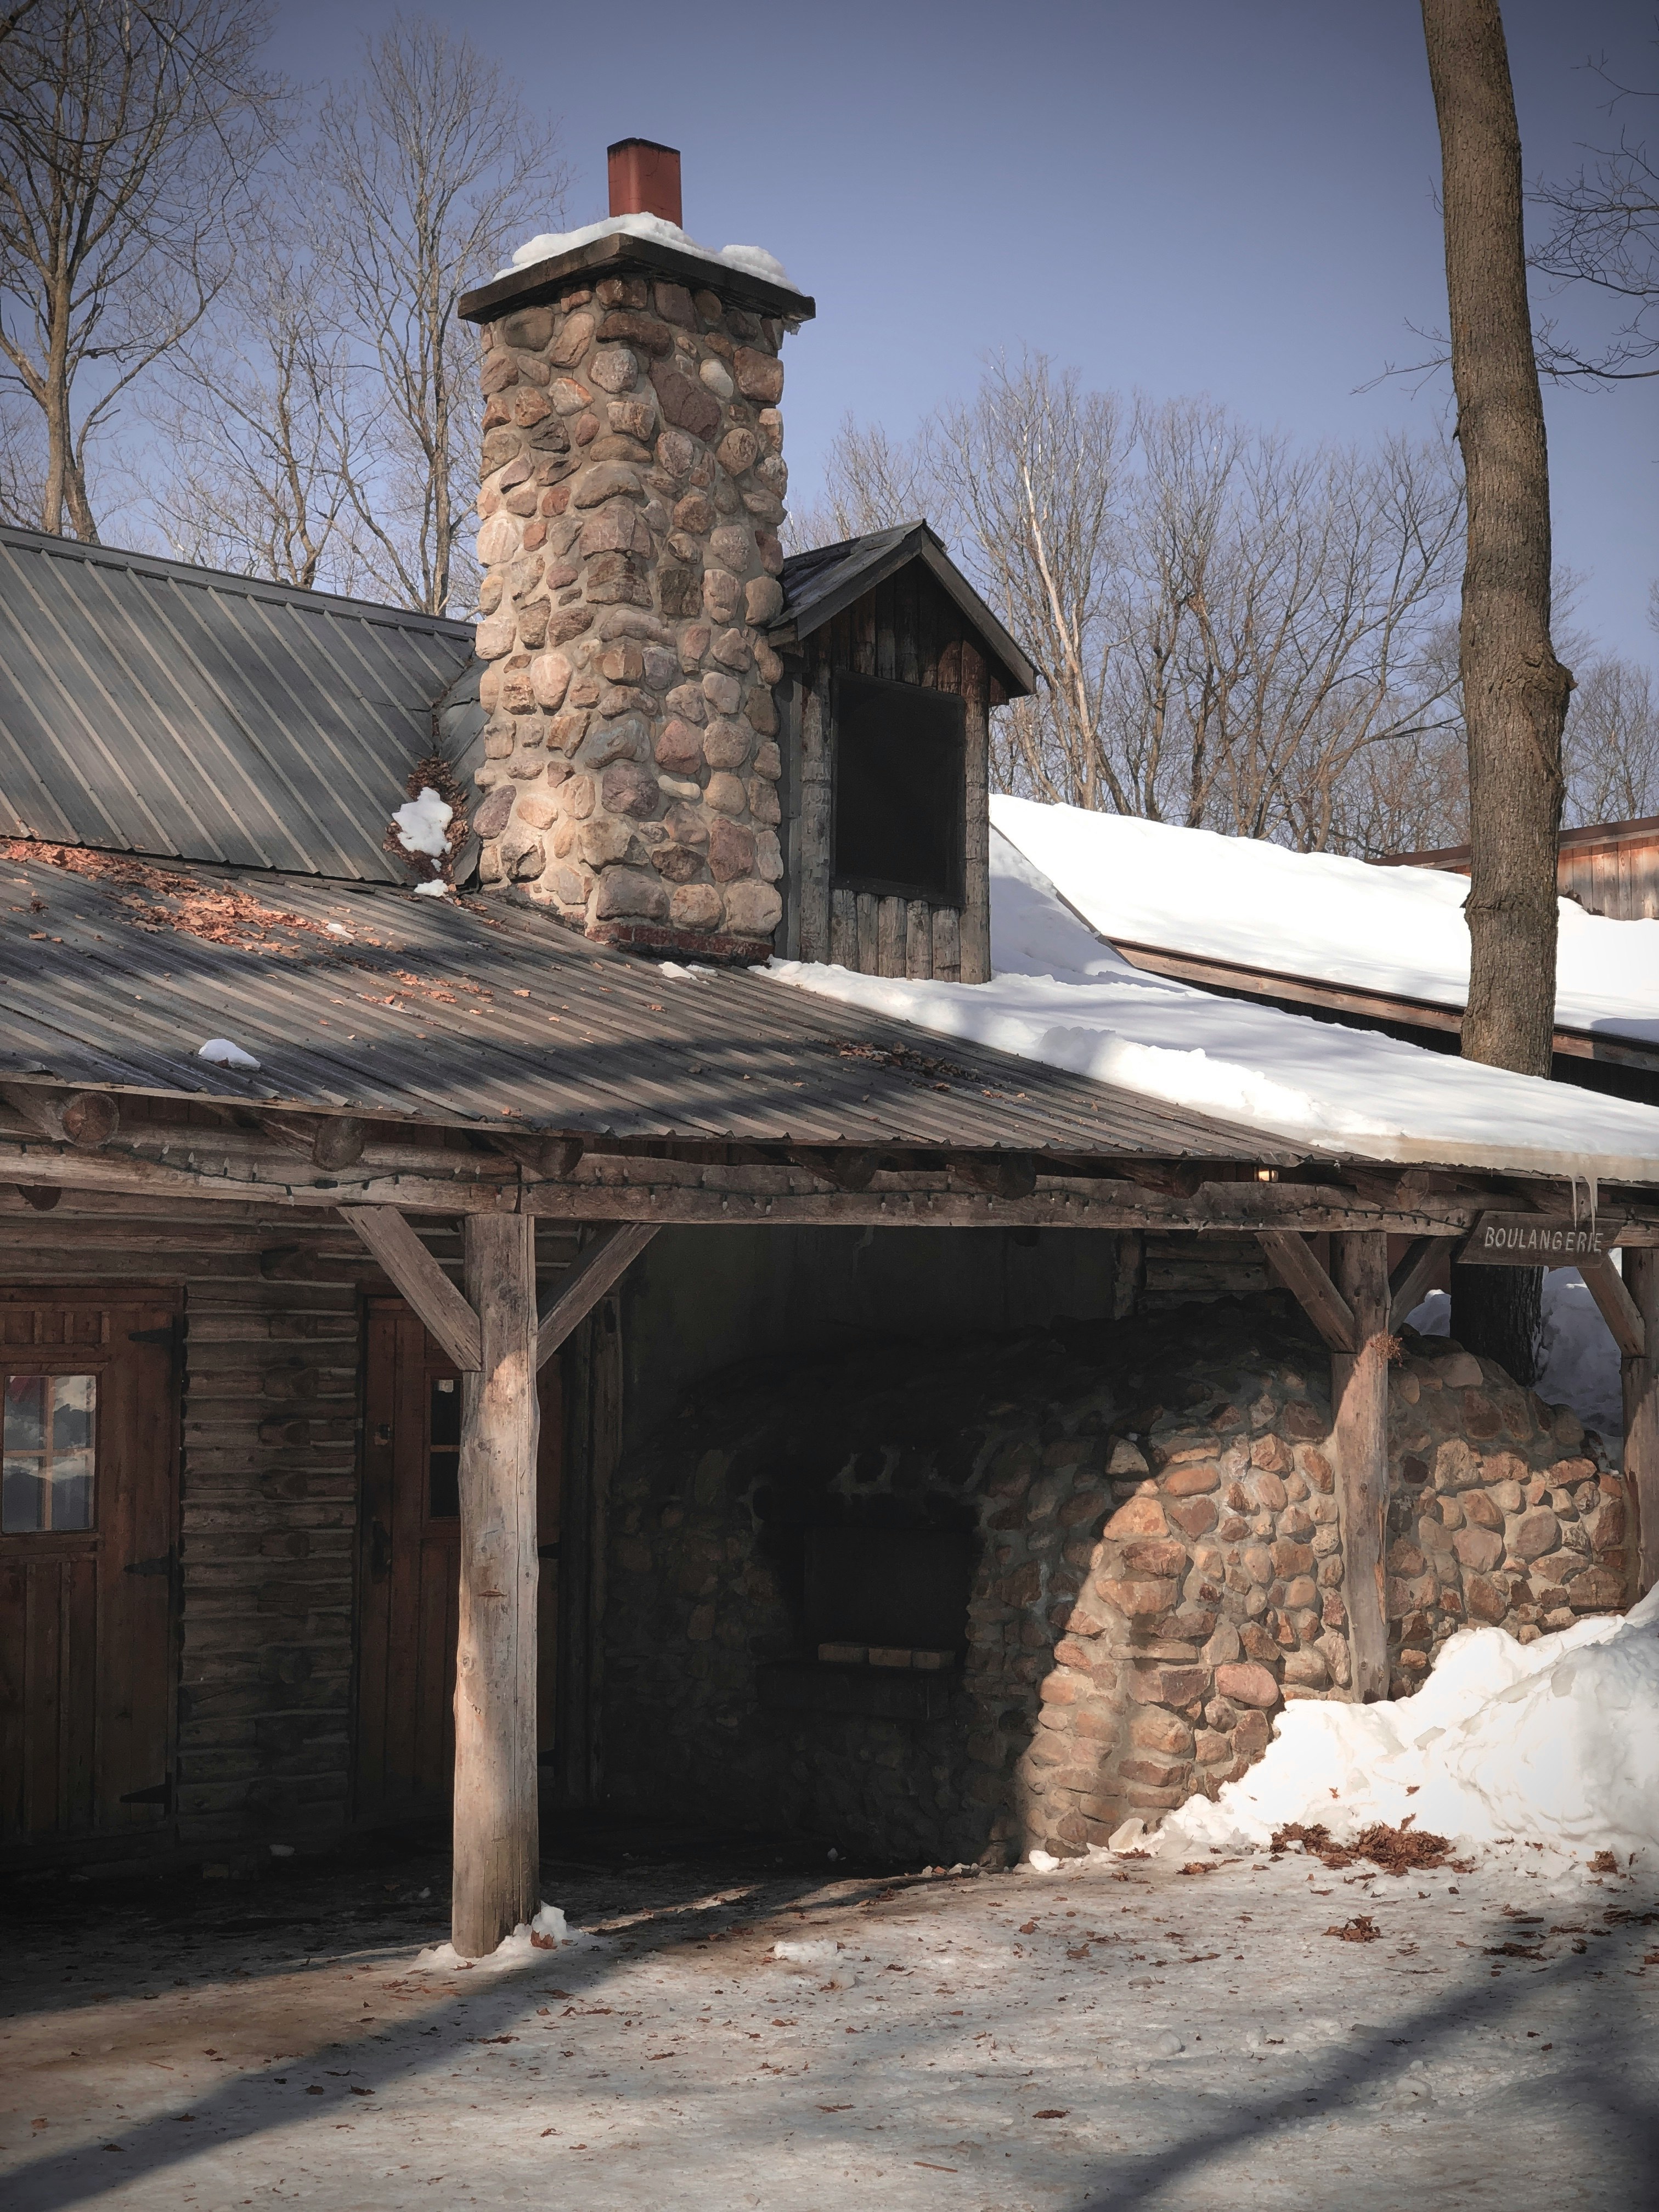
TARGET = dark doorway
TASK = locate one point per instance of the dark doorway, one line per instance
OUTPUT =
(409, 1575)
(89, 1399)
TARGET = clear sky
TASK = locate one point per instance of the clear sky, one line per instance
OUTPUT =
(1234, 197)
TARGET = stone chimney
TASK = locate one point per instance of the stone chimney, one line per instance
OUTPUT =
(631, 498)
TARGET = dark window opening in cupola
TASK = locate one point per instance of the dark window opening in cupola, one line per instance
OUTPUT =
(899, 766)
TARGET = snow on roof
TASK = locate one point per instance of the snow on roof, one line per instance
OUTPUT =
(753, 260)
(1316, 914)
(1063, 997)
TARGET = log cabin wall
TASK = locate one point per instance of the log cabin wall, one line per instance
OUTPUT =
(905, 631)
(270, 1388)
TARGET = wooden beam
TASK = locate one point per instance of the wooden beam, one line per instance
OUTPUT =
(1289, 1257)
(1411, 1280)
(414, 1271)
(598, 1266)
(1618, 1309)
(1640, 1374)
(85, 1119)
(1359, 1401)
(497, 1879)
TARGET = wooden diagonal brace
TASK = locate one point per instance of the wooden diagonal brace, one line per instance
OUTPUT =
(603, 1263)
(1619, 1309)
(415, 1272)
(1294, 1264)
(1410, 1282)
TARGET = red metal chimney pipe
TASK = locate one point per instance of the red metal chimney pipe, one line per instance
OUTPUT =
(645, 179)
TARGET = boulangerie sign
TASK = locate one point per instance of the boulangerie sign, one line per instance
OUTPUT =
(1538, 1240)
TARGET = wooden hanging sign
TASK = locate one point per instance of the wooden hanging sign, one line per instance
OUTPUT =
(1538, 1240)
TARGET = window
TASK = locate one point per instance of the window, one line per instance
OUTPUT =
(899, 753)
(49, 1453)
(443, 1449)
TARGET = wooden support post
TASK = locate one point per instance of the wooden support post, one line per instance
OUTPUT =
(598, 1265)
(1360, 1401)
(1291, 1259)
(1641, 1381)
(497, 1831)
(1411, 1279)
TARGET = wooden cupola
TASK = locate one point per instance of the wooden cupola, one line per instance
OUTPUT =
(892, 664)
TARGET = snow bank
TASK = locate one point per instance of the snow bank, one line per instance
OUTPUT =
(1063, 997)
(424, 824)
(1316, 914)
(754, 260)
(548, 1931)
(1554, 1742)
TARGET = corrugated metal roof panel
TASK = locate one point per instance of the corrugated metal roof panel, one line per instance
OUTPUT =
(114, 973)
(150, 707)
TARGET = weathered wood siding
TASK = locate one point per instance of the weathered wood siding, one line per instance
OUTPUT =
(908, 631)
(267, 1482)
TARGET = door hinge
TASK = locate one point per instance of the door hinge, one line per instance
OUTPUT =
(159, 1793)
(161, 1564)
(166, 1335)
(547, 1551)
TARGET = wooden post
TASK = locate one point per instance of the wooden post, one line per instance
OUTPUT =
(1359, 1400)
(497, 1835)
(1640, 1372)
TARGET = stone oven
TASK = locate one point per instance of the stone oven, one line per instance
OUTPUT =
(1149, 1546)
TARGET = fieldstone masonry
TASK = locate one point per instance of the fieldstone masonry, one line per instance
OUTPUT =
(1160, 1569)
(632, 494)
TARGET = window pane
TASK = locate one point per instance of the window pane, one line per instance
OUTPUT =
(49, 1453)
(443, 1449)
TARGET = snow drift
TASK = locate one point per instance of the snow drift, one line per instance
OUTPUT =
(1554, 1742)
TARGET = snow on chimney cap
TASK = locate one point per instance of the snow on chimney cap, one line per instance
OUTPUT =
(645, 179)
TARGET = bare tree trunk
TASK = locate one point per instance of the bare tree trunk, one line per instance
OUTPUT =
(1515, 690)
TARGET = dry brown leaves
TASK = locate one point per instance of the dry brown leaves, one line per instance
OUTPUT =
(1362, 1928)
(1396, 1851)
(218, 912)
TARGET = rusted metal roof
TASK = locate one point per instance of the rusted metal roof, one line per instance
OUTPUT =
(488, 1014)
(146, 706)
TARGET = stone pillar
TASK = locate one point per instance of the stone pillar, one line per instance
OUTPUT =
(633, 490)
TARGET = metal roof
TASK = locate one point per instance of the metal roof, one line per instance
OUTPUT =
(147, 706)
(114, 973)
(817, 586)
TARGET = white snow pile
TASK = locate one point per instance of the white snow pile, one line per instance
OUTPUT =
(1315, 915)
(754, 260)
(1577, 1358)
(1554, 1743)
(422, 824)
(220, 1052)
(548, 1931)
(435, 887)
(1061, 996)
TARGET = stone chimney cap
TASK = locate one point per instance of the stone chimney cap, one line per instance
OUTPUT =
(645, 179)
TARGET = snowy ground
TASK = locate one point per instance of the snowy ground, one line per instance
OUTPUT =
(1130, 2035)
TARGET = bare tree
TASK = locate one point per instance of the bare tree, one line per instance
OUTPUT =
(1606, 236)
(431, 163)
(1515, 690)
(1612, 745)
(1224, 627)
(124, 134)
(258, 419)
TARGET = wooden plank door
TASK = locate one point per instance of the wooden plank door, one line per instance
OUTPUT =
(410, 1567)
(88, 1413)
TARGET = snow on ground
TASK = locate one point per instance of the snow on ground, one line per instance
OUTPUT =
(1061, 996)
(754, 260)
(1131, 2036)
(1400, 930)
(1552, 1746)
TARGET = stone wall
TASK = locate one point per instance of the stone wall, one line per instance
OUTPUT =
(633, 490)
(1160, 1569)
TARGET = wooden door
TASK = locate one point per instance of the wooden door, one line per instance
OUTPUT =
(88, 1393)
(409, 1568)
